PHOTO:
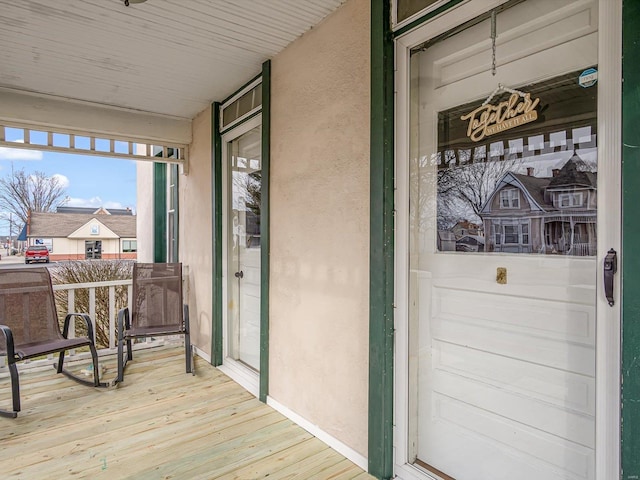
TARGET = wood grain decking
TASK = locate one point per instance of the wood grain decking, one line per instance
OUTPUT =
(160, 423)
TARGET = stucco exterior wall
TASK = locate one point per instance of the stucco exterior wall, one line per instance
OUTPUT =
(195, 249)
(319, 302)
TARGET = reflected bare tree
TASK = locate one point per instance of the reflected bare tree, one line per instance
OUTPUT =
(464, 188)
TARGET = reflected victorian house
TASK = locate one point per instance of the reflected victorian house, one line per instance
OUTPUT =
(553, 215)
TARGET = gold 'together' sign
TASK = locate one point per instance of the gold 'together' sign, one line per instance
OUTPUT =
(491, 119)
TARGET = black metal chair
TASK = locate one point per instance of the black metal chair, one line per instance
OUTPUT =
(30, 327)
(157, 309)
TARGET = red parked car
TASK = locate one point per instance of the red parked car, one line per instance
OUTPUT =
(36, 253)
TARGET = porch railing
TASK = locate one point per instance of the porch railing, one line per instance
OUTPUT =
(71, 288)
(582, 249)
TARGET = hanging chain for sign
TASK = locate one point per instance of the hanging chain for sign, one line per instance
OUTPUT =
(493, 43)
(499, 89)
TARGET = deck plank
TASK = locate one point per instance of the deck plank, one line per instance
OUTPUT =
(308, 467)
(289, 458)
(159, 423)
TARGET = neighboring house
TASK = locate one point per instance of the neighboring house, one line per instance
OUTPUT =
(555, 215)
(465, 227)
(82, 236)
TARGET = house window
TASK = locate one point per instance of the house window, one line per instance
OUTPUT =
(511, 234)
(510, 198)
(242, 105)
(129, 246)
(568, 200)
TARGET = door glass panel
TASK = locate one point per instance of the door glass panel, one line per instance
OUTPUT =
(502, 241)
(243, 313)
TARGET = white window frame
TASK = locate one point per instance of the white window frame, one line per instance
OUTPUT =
(575, 199)
(238, 121)
(130, 242)
(512, 196)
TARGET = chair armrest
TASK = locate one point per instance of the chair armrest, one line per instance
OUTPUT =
(87, 321)
(8, 338)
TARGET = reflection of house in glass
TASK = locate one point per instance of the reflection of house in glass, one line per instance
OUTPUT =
(469, 236)
(554, 215)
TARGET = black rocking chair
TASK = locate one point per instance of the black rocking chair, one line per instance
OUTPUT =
(157, 309)
(30, 328)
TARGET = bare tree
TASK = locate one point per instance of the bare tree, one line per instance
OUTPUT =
(21, 192)
(464, 189)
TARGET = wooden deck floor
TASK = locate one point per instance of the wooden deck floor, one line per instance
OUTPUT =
(160, 423)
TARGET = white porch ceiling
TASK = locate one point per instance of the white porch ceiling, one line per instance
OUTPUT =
(168, 57)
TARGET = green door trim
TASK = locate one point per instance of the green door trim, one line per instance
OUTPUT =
(174, 172)
(159, 212)
(264, 231)
(216, 199)
(630, 391)
(381, 260)
(216, 234)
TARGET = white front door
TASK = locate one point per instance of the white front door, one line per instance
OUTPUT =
(499, 190)
(243, 165)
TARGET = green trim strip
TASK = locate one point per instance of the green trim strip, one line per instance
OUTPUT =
(175, 173)
(427, 16)
(159, 212)
(381, 262)
(264, 232)
(630, 394)
(240, 89)
(216, 233)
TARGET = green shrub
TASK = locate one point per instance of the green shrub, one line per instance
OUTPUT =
(89, 271)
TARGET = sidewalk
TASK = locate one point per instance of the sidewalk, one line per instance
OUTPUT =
(10, 258)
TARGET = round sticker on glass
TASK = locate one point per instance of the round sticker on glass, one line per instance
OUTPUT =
(588, 78)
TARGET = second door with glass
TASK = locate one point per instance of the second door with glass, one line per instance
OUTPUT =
(243, 180)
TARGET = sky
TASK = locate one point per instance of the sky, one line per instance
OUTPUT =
(89, 181)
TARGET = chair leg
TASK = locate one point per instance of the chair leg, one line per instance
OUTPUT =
(96, 366)
(59, 368)
(123, 317)
(123, 358)
(15, 393)
(120, 376)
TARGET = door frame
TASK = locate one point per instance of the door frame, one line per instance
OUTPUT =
(609, 232)
(242, 374)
